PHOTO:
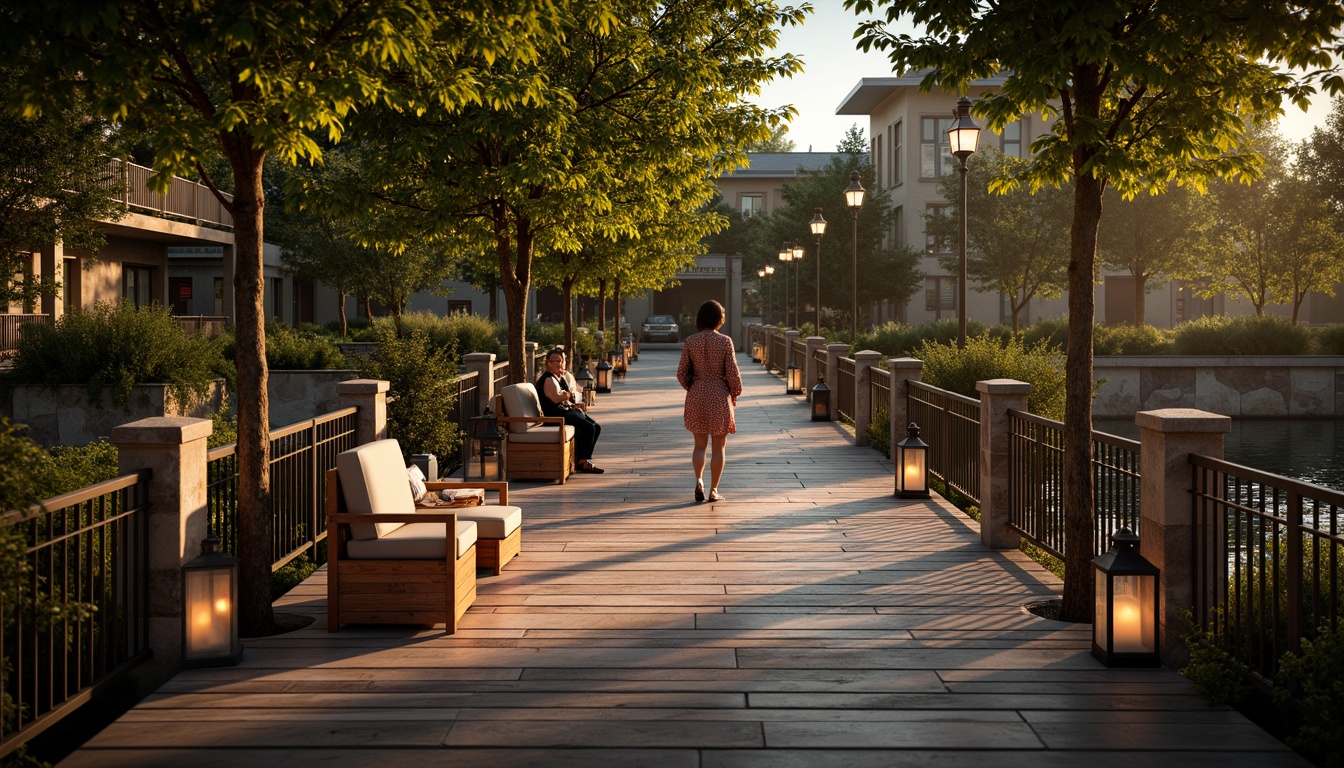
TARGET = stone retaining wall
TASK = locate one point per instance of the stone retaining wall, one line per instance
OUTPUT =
(1240, 387)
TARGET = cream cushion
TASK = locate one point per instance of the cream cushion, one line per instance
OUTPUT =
(493, 521)
(414, 541)
(520, 400)
(373, 479)
(542, 435)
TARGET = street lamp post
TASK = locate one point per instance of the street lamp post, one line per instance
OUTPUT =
(961, 140)
(854, 199)
(786, 255)
(818, 225)
(769, 272)
(797, 285)
(765, 306)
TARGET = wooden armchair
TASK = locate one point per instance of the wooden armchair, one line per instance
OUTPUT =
(535, 446)
(386, 562)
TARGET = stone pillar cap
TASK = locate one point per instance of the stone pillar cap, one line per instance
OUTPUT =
(905, 362)
(479, 357)
(1002, 387)
(1186, 420)
(868, 354)
(362, 387)
(162, 430)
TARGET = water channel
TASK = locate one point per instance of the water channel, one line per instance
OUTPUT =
(1311, 450)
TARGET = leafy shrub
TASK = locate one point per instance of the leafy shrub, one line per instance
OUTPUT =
(74, 467)
(957, 370)
(1316, 675)
(115, 347)
(290, 349)
(879, 431)
(1330, 340)
(897, 340)
(1222, 335)
(1130, 340)
(462, 332)
(422, 391)
(291, 575)
(1052, 333)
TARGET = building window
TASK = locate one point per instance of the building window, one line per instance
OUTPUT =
(275, 291)
(1012, 139)
(137, 284)
(459, 306)
(897, 153)
(752, 205)
(940, 295)
(934, 216)
(935, 160)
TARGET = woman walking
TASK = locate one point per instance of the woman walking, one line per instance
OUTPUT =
(708, 372)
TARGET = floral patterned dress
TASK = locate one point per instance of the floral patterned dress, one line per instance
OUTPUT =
(708, 372)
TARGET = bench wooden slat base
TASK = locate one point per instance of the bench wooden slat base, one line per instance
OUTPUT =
(494, 554)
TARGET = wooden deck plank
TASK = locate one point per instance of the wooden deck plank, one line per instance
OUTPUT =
(811, 619)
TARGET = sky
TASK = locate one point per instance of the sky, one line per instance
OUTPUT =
(833, 66)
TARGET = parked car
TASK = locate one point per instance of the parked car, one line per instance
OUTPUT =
(660, 328)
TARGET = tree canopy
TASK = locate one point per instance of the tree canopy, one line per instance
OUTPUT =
(1145, 92)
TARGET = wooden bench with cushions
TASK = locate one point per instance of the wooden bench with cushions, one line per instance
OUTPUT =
(388, 562)
(536, 447)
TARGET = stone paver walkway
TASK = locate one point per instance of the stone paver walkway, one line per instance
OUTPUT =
(811, 619)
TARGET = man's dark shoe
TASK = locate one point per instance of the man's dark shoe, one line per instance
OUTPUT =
(591, 468)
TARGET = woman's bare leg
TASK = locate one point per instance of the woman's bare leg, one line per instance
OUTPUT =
(716, 461)
(698, 456)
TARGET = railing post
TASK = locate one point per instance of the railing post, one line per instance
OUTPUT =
(370, 397)
(997, 397)
(483, 365)
(173, 448)
(863, 394)
(810, 369)
(903, 370)
(1166, 532)
(833, 354)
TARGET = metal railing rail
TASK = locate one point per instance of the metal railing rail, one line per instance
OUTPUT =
(950, 424)
(879, 394)
(301, 454)
(1268, 556)
(210, 325)
(11, 326)
(777, 349)
(844, 383)
(88, 548)
(1036, 483)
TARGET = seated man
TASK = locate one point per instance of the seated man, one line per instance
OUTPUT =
(559, 397)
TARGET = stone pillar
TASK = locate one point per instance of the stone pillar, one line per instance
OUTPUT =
(863, 394)
(483, 365)
(173, 448)
(810, 368)
(833, 354)
(370, 397)
(1168, 437)
(783, 365)
(53, 266)
(530, 358)
(903, 370)
(997, 397)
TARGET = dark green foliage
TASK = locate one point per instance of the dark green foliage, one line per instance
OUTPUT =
(957, 370)
(292, 349)
(879, 431)
(422, 391)
(291, 575)
(357, 329)
(1054, 333)
(1222, 335)
(115, 347)
(1315, 676)
(1219, 679)
(897, 340)
(75, 467)
(1330, 340)
(460, 332)
(1130, 340)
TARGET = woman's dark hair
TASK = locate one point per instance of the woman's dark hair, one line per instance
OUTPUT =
(555, 351)
(710, 316)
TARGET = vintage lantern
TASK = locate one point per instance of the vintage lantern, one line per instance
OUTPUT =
(1124, 630)
(821, 401)
(483, 452)
(584, 378)
(793, 379)
(912, 465)
(604, 377)
(756, 351)
(210, 609)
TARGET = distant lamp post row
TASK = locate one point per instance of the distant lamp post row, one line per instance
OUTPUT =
(786, 255)
(854, 200)
(818, 225)
(962, 137)
(762, 273)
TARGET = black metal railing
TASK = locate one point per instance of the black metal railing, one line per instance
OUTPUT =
(844, 385)
(1268, 561)
(301, 454)
(501, 374)
(1036, 483)
(77, 618)
(777, 359)
(879, 393)
(819, 357)
(799, 349)
(12, 325)
(950, 424)
(209, 325)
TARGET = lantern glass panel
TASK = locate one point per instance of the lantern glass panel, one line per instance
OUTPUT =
(209, 595)
(914, 474)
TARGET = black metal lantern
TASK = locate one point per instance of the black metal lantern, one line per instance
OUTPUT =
(618, 363)
(912, 465)
(1124, 630)
(210, 609)
(584, 378)
(793, 379)
(821, 401)
(604, 377)
(756, 351)
(483, 451)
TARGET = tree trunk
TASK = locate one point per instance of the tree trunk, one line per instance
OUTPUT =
(513, 245)
(340, 311)
(602, 308)
(254, 481)
(1078, 490)
(1140, 298)
(567, 297)
(617, 309)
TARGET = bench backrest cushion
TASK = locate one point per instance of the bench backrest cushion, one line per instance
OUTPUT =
(520, 400)
(373, 481)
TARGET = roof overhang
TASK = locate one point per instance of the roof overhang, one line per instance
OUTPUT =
(864, 98)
